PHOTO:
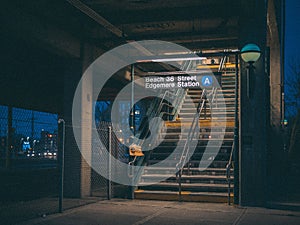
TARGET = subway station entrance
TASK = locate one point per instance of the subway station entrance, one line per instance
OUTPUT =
(183, 135)
(203, 124)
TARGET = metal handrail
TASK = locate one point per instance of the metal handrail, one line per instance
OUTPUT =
(157, 128)
(228, 168)
(152, 111)
(179, 95)
(186, 145)
(222, 63)
(179, 98)
(213, 97)
(191, 133)
(179, 103)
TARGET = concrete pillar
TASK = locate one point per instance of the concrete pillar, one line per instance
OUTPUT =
(254, 110)
(72, 181)
(275, 68)
(77, 170)
(277, 156)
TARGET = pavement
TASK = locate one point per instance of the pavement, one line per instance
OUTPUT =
(142, 212)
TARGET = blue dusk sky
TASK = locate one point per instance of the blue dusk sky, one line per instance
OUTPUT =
(292, 31)
(292, 55)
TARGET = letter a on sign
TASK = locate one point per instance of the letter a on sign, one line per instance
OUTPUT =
(207, 81)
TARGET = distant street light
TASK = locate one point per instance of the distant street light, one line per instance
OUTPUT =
(250, 53)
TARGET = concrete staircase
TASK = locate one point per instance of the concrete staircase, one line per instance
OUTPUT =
(210, 184)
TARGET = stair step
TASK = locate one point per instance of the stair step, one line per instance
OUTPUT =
(208, 114)
(215, 111)
(200, 148)
(197, 187)
(195, 156)
(168, 146)
(216, 105)
(163, 152)
(201, 142)
(203, 123)
(202, 139)
(185, 196)
(217, 96)
(190, 108)
(219, 91)
(172, 170)
(227, 81)
(191, 180)
(202, 133)
(197, 98)
(194, 163)
(228, 86)
(188, 177)
(203, 130)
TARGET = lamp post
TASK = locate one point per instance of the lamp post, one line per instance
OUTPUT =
(250, 53)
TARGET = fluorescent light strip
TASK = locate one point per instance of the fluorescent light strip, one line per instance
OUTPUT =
(170, 59)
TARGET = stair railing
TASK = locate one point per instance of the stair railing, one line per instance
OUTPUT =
(159, 112)
(156, 110)
(228, 173)
(222, 63)
(150, 113)
(173, 113)
(212, 95)
(182, 161)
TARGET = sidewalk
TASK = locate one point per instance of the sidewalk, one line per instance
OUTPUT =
(137, 212)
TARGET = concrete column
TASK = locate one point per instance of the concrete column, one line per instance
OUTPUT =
(77, 168)
(72, 174)
(275, 67)
(86, 123)
(254, 110)
(277, 156)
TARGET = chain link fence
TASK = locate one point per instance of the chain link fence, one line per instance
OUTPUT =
(101, 186)
(31, 166)
(27, 135)
(29, 169)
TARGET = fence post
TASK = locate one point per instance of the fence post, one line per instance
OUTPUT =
(179, 185)
(9, 138)
(109, 164)
(132, 126)
(62, 164)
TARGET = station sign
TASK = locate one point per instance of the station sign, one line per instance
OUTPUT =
(183, 81)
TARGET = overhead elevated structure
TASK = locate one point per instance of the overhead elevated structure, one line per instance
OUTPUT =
(47, 45)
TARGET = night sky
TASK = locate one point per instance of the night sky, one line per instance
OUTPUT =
(292, 51)
(292, 32)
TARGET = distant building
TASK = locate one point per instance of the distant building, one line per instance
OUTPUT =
(3, 141)
(48, 141)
